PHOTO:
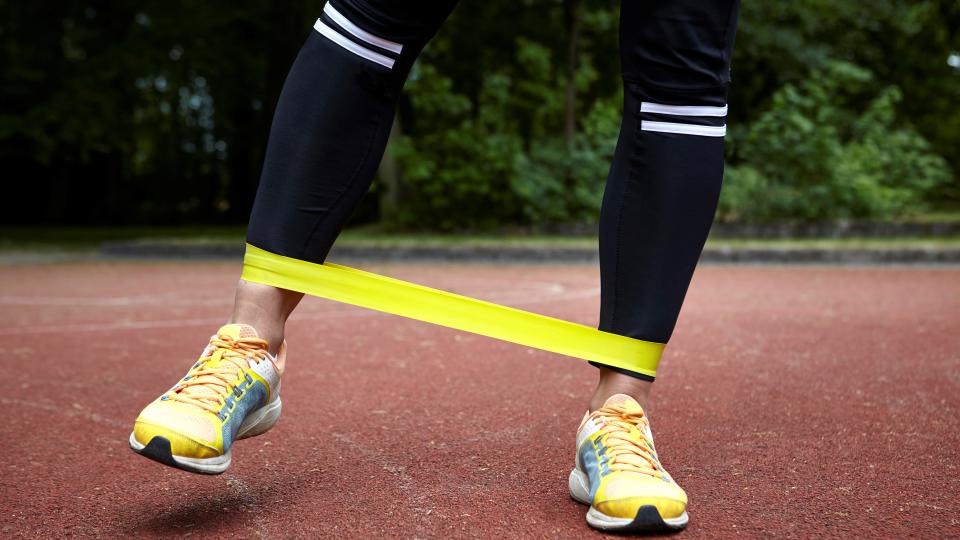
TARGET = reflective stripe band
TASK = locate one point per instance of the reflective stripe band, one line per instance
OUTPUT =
(364, 52)
(360, 33)
(389, 295)
(683, 129)
(682, 110)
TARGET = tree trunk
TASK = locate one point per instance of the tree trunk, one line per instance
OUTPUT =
(571, 12)
(389, 173)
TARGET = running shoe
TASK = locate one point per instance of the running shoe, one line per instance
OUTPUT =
(231, 393)
(619, 474)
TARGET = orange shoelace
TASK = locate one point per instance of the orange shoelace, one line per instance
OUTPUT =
(629, 450)
(212, 377)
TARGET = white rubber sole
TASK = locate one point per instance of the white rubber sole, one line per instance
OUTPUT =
(214, 465)
(580, 491)
(257, 423)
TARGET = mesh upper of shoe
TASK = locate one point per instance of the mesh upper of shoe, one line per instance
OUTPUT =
(624, 428)
(180, 418)
(636, 476)
(231, 350)
(184, 417)
(625, 485)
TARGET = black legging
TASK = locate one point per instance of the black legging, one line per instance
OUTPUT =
(337, 106)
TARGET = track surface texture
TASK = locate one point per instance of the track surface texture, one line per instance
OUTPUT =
(792, 402)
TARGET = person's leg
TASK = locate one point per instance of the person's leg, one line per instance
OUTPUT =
(658, 206)
(664, 183)
(328, 135)
(265, 308)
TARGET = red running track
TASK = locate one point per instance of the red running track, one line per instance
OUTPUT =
(792, 402)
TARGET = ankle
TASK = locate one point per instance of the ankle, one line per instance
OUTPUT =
(272, 333)
(613, 382)
(266, 309)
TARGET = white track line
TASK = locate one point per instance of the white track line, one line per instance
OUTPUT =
(65, 410)
(113, 301)
(181, 299)
(181, 323)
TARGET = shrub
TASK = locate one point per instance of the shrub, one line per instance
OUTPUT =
(812, 156)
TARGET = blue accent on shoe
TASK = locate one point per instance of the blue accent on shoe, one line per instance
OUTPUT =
(252, 399)
(588, 460)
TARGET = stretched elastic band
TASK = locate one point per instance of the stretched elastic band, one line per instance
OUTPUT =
(389, 295)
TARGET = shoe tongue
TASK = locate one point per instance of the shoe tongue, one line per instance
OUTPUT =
(623, 400)
(235, 331)
(238, 331)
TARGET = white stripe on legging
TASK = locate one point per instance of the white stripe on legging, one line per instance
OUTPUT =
(683, 110)
(683, 129)
(364, 52)
(360, 33)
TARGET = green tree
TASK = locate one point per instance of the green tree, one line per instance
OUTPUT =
(811, 155)
(158, 112)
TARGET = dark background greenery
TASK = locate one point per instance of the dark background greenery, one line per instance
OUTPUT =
(151, 112)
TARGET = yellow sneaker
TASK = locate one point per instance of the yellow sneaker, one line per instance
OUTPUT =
(232, 392)
(619, 474)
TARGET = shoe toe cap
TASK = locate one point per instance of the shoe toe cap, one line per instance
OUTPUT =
(628, 507)
(623, 498)
(189, 433)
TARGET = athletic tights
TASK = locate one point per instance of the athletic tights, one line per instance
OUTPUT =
(337, 106)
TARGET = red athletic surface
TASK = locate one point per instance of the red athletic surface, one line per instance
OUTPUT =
(793, 402)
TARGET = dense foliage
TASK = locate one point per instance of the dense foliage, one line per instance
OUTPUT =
(812, 154)
(158, 112)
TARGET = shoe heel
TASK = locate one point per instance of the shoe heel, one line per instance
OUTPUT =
(579, 487)
(260, 421)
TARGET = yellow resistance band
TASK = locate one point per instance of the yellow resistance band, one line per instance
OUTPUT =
(389, 295)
